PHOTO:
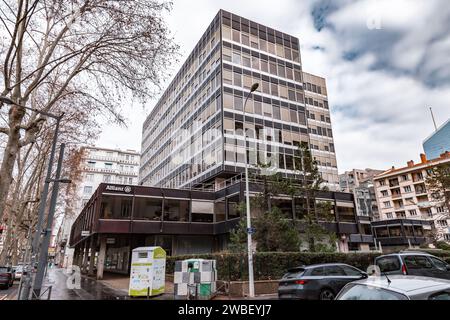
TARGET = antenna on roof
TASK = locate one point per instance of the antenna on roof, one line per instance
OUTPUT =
(387, 278)
(432, 117)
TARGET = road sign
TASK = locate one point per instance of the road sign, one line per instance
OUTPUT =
(251, 230)
(85, 233)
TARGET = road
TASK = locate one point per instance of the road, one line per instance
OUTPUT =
(9, 293)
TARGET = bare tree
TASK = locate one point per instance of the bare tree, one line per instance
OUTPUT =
(57, 51)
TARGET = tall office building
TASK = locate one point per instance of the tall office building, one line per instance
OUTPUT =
(438, 142)
(194, 134)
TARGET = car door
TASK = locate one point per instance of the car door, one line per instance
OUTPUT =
(335, 277)
(417, 265)
(440, 268)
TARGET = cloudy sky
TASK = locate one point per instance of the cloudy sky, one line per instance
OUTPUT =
(385, 62)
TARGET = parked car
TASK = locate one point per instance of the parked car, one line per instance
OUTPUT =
(414, 264)
(317, 282)
(6, 277)
(396, 287)
(18, 271)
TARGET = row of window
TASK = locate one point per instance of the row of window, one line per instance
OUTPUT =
(262, 63)
(267, 86)
(258, 43)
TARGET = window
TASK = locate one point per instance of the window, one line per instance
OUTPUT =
(387, 204)
(87, 190)
(387, 264)
(442, 223)
(440, 296)
(317, 271)
(147, 208)
(349, 271)
(413, 212)
(106, 178)
(384, 193)
(108, 166)
(334, 271)
(236, 58)
(407, 189)
(441, 265)
(382, 182)
(417, 262)
(90, 177)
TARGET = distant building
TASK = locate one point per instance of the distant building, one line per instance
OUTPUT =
(438, 142)
(360, 183)
(402, 195)
(98, 165)
(355, 177)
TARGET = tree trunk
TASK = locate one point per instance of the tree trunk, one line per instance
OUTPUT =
(9, 157)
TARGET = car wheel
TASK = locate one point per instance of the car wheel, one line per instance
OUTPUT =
(326, 294)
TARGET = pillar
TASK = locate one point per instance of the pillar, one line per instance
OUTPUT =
(101, 257)
(86, 256)
(92, 256)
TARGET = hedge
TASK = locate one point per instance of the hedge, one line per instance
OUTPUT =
(272, 265)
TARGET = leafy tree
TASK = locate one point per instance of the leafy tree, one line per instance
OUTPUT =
(438, 183)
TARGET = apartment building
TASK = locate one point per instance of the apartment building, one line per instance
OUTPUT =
(360, 183)
(195, 133)
(438, 142)
(98, 165)
(402, 194)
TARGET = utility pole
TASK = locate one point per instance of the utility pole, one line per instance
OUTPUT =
(43, 256)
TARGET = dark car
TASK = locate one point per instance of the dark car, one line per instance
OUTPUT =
(413, 264)
(317, 282)
(6, 277)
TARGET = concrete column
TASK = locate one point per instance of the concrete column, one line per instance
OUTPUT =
(92, 256)
(76, 253)
(101, 257)
(86, 255)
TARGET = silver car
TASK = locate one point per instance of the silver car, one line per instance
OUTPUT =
(396, 287)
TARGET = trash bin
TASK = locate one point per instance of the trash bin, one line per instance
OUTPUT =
(195, 279)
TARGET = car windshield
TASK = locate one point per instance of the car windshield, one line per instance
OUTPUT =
(18, 268)
(363, 292)
(4, 269)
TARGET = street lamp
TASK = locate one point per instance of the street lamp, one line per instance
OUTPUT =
(44, 194)
(251, 281)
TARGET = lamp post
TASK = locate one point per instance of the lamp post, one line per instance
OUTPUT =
(44, 193)
(251, 281)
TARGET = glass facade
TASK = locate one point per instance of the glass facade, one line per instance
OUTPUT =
(438, 142)
(198, 126)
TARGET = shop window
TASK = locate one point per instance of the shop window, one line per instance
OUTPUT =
(176, 210)
(147, 208)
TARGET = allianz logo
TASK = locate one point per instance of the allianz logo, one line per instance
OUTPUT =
(126, 189)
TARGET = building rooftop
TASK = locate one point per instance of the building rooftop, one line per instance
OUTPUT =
(445, 157)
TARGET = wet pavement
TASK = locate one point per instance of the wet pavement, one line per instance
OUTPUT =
(10, 293)
(91, 289)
